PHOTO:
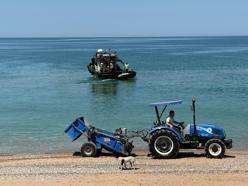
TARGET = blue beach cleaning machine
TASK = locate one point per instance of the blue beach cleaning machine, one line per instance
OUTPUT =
(99, 139)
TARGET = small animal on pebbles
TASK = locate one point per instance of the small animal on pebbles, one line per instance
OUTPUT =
(124, 161)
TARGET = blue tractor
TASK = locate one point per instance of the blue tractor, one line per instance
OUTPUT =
(165, 142)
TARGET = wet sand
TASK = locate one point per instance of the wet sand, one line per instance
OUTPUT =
(65, 169)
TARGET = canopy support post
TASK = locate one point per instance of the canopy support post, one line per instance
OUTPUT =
(162, 111)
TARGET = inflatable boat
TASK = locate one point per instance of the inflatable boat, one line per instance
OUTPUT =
(107, 65)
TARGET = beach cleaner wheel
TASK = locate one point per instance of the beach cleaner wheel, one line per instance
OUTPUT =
(89, 150)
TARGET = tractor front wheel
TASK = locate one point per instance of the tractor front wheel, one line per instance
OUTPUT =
(215, 148)
(89, 150)
(164, 144)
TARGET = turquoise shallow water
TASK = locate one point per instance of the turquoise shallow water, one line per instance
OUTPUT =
(45, 85)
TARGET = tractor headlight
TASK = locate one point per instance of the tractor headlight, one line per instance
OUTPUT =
(217, 132)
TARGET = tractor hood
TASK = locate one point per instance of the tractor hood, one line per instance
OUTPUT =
(207, 130)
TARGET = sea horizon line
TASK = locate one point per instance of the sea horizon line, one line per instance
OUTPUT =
(171, 36)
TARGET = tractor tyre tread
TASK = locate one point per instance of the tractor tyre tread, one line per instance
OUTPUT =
(174, 139)
(221, 143)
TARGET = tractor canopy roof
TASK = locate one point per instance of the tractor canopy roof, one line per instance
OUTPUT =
(165, 103)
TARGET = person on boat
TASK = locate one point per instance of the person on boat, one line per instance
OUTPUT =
(97, 68)
(170, 121)
(111, 66)
(102, 67)
(93, 61)
(126, 67)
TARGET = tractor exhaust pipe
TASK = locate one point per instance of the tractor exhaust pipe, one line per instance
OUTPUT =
(193, 109)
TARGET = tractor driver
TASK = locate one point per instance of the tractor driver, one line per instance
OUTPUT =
(172, 123)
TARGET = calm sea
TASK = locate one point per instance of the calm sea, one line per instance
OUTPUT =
(44, 86)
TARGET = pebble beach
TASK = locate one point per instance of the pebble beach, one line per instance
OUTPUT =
(66, 169)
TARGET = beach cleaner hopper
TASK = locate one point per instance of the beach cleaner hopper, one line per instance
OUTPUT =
(99, 139)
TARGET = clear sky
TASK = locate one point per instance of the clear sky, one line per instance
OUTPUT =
(44, 18)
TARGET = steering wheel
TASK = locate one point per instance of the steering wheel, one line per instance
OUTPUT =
(180, 124)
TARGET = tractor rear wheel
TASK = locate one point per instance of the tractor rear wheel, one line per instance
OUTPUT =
(215, 148)
(89, 150)
(164, 144)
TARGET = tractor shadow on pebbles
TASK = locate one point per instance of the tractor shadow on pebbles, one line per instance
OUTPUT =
(104, 154)
(182, 155)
